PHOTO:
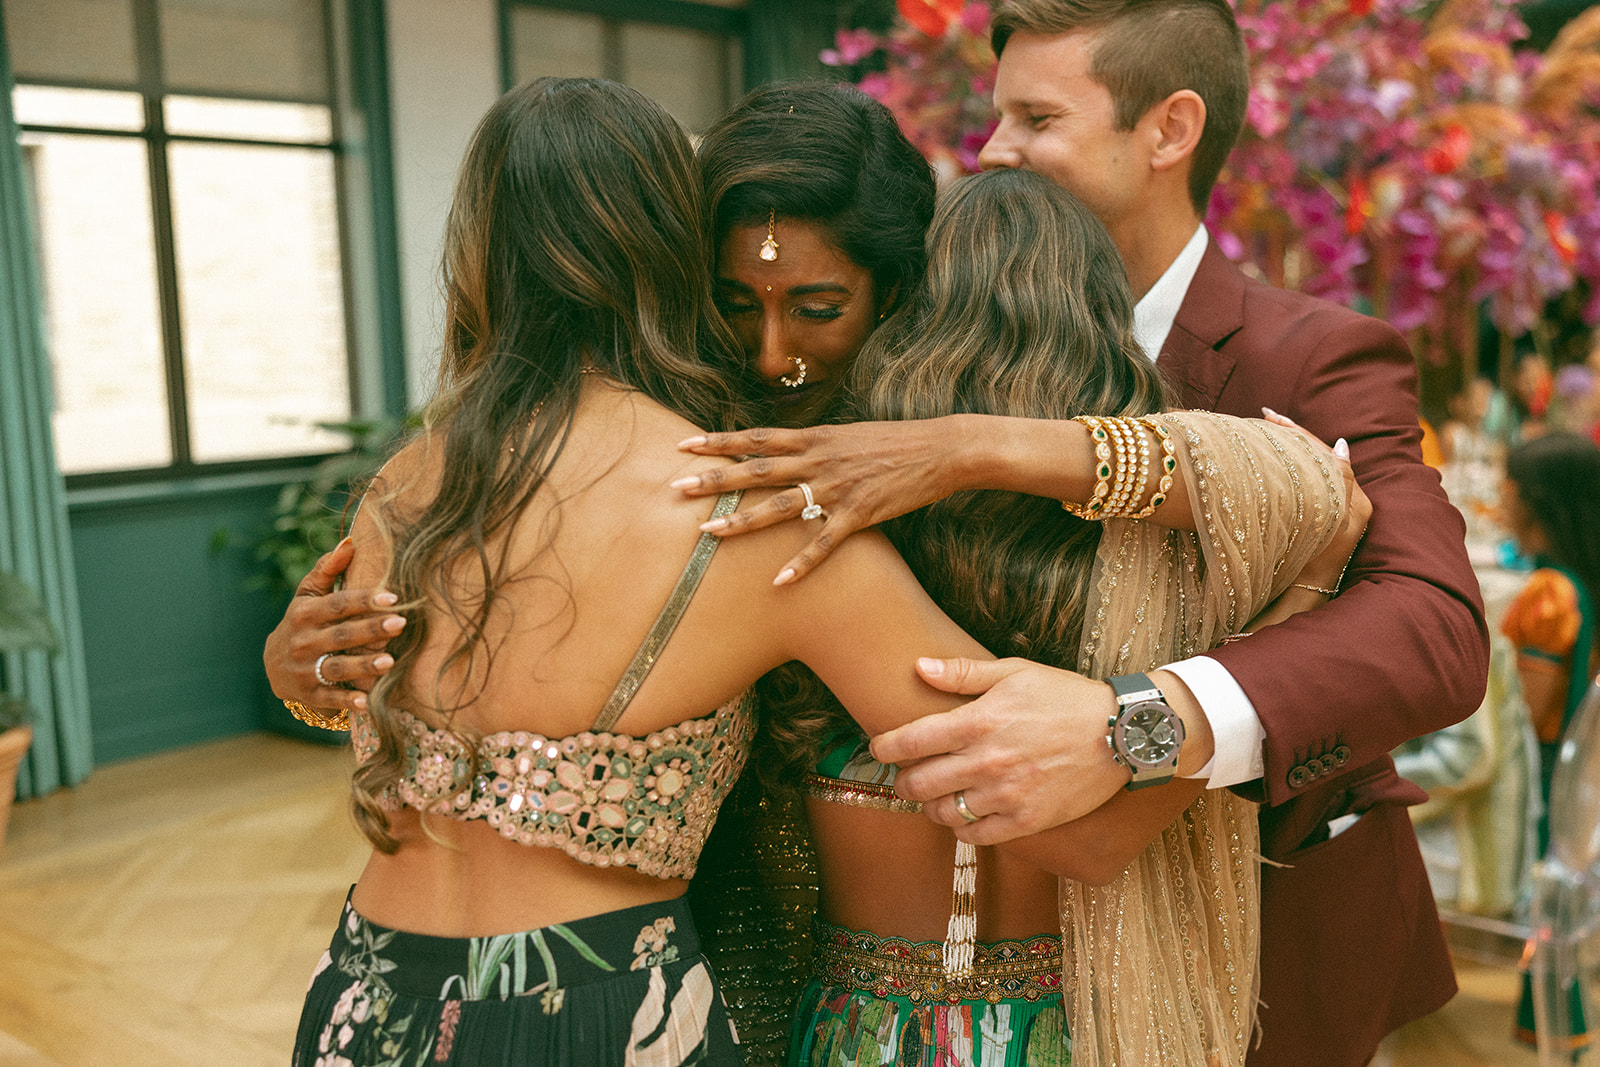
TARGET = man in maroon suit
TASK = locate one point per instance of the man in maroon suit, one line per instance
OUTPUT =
(1133, 106)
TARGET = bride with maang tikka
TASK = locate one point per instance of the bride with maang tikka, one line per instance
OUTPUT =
(1154, 970)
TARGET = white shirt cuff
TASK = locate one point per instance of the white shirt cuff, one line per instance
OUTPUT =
(1235, 726)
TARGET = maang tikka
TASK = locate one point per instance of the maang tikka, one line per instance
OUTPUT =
(769, 247)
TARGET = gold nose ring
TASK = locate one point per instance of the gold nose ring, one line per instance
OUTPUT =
(799, 377)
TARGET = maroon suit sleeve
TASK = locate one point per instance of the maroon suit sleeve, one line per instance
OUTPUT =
(1403, 651)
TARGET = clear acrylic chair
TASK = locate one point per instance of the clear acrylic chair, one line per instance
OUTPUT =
(1566, 888)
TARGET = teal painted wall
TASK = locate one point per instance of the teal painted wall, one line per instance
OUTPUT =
(173, 638)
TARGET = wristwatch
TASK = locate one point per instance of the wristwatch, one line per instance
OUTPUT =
(1145, 735)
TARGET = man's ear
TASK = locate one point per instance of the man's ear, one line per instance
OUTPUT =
(1176, 124)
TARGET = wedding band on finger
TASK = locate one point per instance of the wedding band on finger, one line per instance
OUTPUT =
(812, 510)
(961, 806)
(320, 676)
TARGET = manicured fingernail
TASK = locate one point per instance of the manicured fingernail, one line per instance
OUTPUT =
(691, 442)
(1341, 448)
(382, 662)
(713, 525)
(1269, 413)
(931, 668)
(385, 600)
(688, 482)
(344, 541)
(784, 577)
(394, 624)
(360, 701)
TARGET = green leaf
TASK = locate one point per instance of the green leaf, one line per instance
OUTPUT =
(583, 949)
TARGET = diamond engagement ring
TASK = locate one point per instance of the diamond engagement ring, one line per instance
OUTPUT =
(961, 806)
(320, 677)
(812, 510)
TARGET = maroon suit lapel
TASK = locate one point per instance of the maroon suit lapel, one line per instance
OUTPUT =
(1212, 311)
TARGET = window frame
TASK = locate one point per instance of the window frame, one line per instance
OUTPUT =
(729, 22)
(372, 392)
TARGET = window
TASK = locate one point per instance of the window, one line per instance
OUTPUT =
(182, 160)
(687, 56)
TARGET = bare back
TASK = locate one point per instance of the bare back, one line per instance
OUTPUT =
(591, 561)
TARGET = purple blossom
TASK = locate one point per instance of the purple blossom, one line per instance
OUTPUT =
(1342, 112)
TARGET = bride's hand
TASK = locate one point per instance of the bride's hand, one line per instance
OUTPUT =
(859, 474)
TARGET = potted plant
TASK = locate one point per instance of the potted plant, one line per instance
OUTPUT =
(309, 516)
(24, 625)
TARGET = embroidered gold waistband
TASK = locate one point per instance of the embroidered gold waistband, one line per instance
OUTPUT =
(895, 967)
(857, 794)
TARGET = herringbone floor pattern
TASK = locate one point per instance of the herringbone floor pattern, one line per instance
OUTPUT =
(169, 911)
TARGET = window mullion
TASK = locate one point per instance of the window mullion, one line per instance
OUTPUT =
(341, 179)
(147, 22)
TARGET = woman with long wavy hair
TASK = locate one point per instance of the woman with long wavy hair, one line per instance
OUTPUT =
(569, 698)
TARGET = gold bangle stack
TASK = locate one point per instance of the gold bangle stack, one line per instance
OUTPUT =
(311, 717)
(1169, 464)
(1102, 472)
(1120, 486)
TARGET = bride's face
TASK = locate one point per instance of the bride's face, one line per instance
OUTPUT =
(808, 304)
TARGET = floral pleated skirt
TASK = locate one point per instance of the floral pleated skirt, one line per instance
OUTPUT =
(626, 987)
(884, 1002)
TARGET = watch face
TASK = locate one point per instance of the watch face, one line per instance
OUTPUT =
(1149, 735)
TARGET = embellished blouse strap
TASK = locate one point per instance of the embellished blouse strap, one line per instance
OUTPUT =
(667, 621)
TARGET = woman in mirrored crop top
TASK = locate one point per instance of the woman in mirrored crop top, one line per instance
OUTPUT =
(568, 704)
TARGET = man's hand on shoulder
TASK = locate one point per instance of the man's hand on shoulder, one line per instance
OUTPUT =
(1030, 753)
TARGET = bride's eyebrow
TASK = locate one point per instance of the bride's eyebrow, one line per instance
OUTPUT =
(818, 287)
(734, 283)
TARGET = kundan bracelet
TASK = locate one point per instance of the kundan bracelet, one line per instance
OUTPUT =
(310, 717)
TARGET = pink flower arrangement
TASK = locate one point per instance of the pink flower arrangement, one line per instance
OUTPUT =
(1397, 154)
(938, 77)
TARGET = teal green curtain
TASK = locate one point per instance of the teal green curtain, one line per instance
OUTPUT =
(34, 540)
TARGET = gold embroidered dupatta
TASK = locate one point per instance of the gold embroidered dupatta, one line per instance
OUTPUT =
(1160, 965)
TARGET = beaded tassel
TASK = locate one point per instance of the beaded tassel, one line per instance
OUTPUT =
(961, 936)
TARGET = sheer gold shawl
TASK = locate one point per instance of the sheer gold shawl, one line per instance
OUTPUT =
(1160, 965)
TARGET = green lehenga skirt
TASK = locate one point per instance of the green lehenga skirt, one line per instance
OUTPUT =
(625, 987)
(885, 1001)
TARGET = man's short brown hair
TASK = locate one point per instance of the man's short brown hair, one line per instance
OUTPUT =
(1147, 50)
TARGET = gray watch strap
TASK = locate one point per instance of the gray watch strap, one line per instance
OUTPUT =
(1131, 688)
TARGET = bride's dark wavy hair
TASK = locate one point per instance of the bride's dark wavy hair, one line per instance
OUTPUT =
(1024, 310)
(576, 237)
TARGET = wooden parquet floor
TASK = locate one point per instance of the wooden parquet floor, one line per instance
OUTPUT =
(169, 911)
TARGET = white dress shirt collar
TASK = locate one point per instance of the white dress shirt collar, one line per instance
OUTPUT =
(1157, 310)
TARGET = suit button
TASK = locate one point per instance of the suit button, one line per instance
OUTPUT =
(1329, 762)
(1298, 776)
(1341, 755)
